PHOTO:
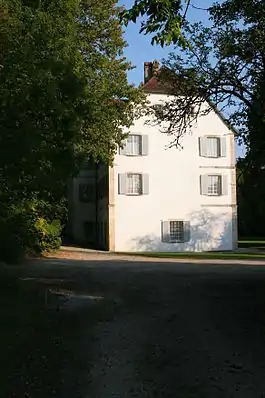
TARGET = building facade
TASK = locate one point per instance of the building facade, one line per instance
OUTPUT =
(159, 199)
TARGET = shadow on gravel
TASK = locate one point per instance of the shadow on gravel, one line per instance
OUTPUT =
(101, 329)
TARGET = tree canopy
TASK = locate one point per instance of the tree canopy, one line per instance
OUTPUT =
(164, 19)
(64, 94)
(221, 68)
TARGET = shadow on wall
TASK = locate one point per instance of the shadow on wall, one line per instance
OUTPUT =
(208, 232)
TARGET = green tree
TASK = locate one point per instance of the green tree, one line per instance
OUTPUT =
(220, 69)
(64, 97)
(164, 19)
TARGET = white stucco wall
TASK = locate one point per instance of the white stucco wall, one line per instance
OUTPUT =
(174, 192)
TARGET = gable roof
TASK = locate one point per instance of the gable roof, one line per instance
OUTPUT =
(159, 86)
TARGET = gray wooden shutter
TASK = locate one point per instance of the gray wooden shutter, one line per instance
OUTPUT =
(186, 231)
(204, 184)
(144, 145)
(203, 146)
(122, 189)
(123, 149)
(223, 147)
(165, 231)
(224, 185)
(199, 143)
(145, 184)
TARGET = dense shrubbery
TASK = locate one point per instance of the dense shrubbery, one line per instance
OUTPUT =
(26, 229)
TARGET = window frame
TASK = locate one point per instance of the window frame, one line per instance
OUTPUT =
(203, 146)
(219, 182)
(139, 145)
(218, 141)
(175, 239)
(140, 192)
(91, 198)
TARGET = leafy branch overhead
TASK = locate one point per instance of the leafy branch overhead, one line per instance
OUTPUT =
(224, 67)
(164, 19)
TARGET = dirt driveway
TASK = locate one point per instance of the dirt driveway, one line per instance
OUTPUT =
(121, 328)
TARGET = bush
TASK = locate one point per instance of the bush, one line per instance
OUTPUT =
(23, 230)
(47, 235)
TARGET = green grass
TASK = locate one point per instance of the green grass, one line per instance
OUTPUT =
(251, 242)
(202, 255)
(245, 243)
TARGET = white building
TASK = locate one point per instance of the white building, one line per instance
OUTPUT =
(158, 199)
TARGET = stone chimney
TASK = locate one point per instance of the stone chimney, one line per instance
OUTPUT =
(150, 69)
(155, 68)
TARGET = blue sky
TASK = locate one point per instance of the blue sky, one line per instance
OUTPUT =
(140, 49)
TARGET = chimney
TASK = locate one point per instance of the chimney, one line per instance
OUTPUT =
(155, 68)
(148, 71)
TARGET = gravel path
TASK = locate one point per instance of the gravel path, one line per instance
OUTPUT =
(124, 328)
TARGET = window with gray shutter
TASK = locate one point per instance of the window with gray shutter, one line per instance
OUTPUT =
(133, 184)
(122, 186)
(203, 146)
(204, 184)
(145, 184)
(123, 149)
(135, 145)
(223, 147)
(165, 232)
(212, 147)
(144, 151)
(213, 185)
(132, 145)
(224, 184)
(186, 231)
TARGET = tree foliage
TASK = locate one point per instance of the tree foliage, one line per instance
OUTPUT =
(64, 96)
(220, 69)
(163, 19)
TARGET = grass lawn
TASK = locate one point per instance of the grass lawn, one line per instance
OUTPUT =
(247, 243)
(251, 242)
(203, 255)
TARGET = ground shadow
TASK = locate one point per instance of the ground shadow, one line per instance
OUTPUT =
(162, 330)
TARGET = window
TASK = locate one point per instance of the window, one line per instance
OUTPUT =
(213, 185)
(133, 184)
(135, 145)
(86, 193)
(212, 147)
(175, 231)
